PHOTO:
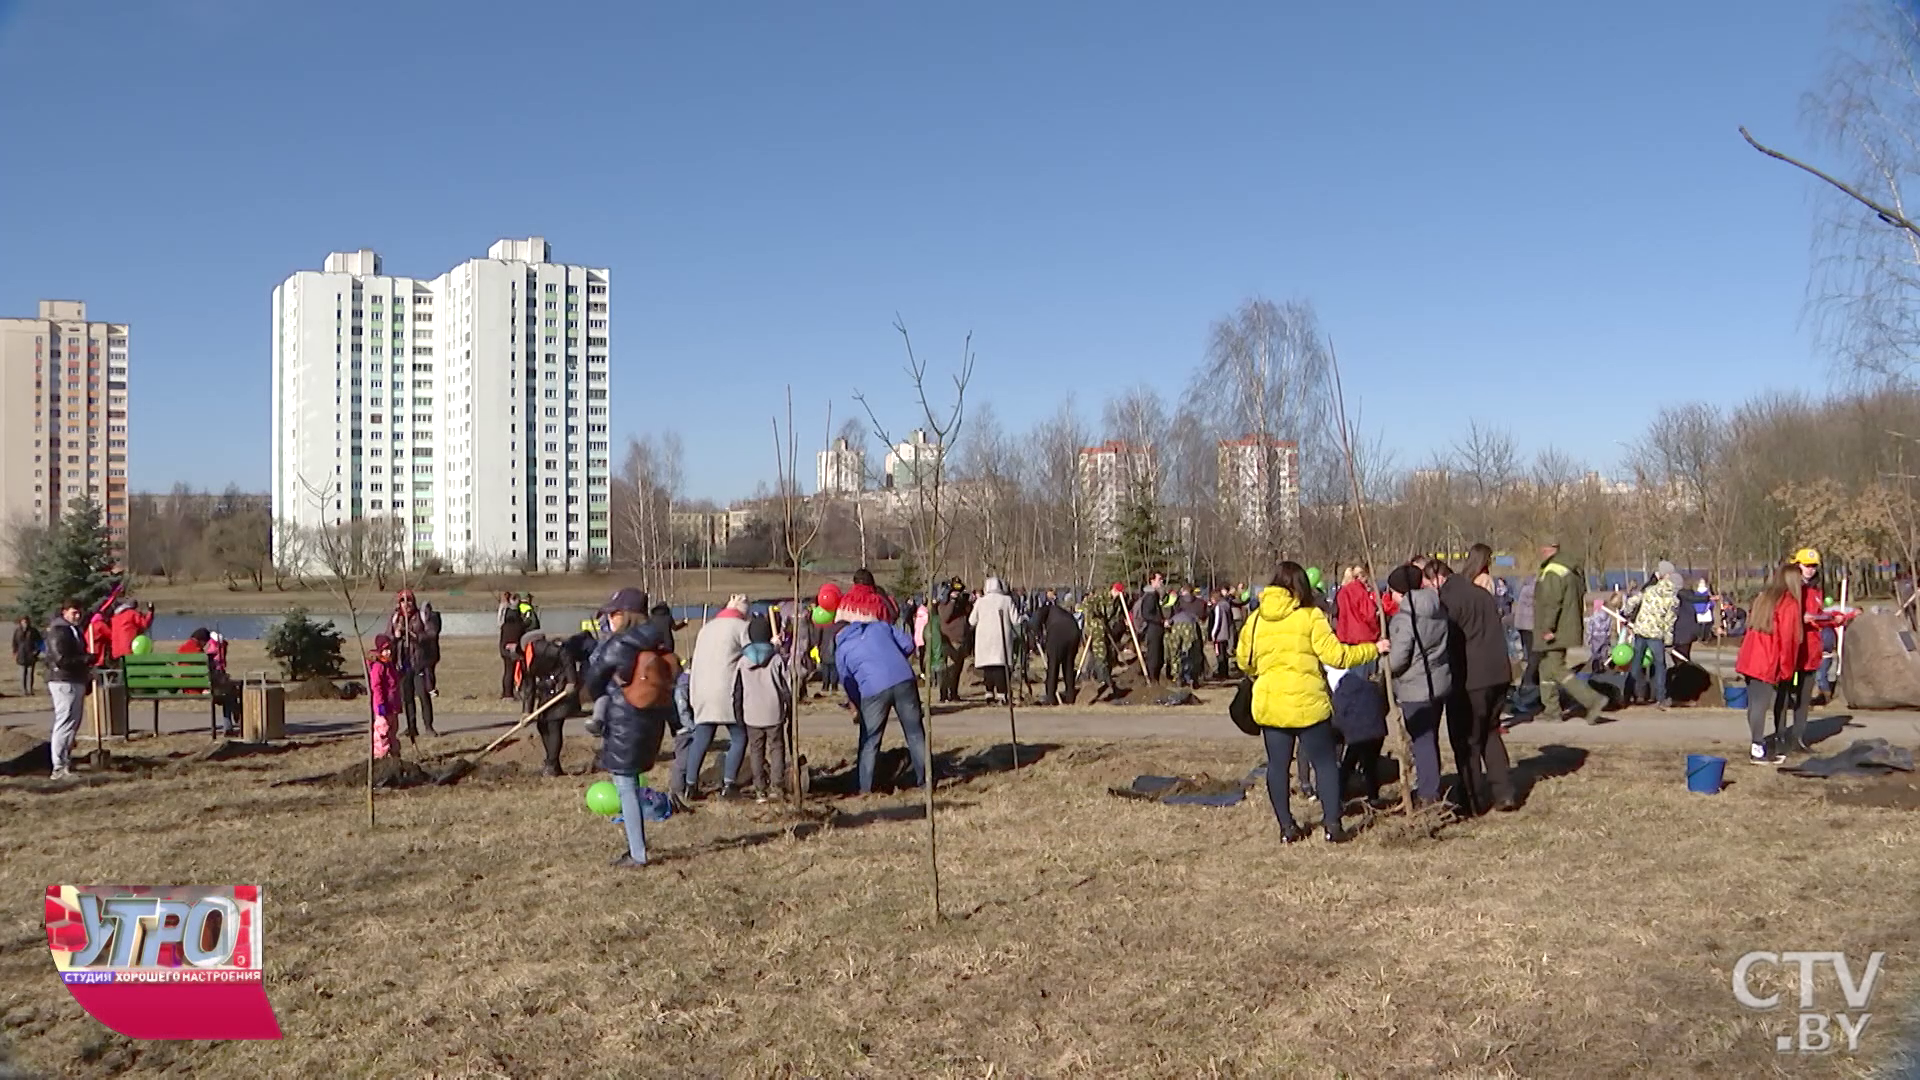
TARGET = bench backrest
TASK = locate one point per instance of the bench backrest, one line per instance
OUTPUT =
(170, 673)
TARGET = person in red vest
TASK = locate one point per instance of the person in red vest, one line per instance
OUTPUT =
(128, 622)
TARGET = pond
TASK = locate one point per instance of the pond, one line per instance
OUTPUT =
(452, 623)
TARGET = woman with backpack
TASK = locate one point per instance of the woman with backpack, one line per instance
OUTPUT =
(1283, 649)
(630, 678)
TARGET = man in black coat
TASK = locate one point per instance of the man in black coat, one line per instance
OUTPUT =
(630, 737)
(1059, 634)
(1478, 642)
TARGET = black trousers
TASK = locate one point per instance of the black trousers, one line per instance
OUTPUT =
(995, 677)
(1530, 675)
(1060, 672)
(1479, 753)
(551, 739)
(1222, 651)
(416, 701)
(1362, 759)
(950, 677)
(1316, 744)
(507, 664)
(1153, 647)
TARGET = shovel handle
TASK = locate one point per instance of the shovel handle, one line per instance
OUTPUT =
(524, 721)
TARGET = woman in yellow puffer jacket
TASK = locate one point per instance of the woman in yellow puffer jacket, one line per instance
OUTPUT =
(1284, 647)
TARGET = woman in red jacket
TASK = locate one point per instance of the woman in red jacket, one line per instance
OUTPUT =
(1814, 618)
(1356, 618)
(1770, 659)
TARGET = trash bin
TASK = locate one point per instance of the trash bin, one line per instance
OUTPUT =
(107, 706)
(263, 710)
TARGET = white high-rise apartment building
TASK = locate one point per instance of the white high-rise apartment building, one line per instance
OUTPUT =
(1246, 499)
(63, 417)
(841, 469)
(1112, 475)
(462, 417)
(912, 463)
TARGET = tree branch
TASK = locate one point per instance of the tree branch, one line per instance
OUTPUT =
(1890, 216)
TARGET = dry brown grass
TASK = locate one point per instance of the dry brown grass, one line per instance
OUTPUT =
(478, 932)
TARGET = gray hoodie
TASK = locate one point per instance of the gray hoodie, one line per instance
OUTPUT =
(762, 693)
(1417, 634)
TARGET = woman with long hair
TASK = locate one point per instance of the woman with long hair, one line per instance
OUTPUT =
(1283, 649)
(1770, 658)
(1479, 566)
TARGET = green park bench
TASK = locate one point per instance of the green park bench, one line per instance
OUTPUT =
(159, 677)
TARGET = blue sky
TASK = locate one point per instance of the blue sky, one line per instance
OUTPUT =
(1483, 200)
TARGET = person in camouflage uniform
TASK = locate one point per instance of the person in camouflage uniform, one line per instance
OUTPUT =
(1102, 613)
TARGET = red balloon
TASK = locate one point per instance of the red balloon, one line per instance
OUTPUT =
(829, 596)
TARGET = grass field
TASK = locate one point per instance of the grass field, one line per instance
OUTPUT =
(477, 931)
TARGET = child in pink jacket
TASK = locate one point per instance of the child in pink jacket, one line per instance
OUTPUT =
(383, 683)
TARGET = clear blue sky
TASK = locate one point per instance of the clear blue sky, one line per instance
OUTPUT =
(1493, 195)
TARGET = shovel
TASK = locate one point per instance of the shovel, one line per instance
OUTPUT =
(458, 771)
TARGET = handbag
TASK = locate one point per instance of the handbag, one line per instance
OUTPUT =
(1240, 709)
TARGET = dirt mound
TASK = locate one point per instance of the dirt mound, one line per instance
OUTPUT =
(388, 773)
(323, 690)
(22, 754)
(231, 749)
(1895, 791)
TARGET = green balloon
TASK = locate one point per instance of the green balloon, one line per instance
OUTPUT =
(603, 798)
(822, 617)
(1622, 654)
(142, 645)
(1313, 576)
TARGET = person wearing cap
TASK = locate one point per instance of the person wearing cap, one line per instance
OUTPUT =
(1560, 626)
(630, 737)
(763, 701)
(1651, 618)
(716, 661)
(1814, 619)
(508, 621)
(956, 637)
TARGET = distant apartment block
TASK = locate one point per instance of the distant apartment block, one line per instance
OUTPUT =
(63, 416)
(841, 469)
(469, 410)
(913, 463)
(1259, 483)
(1111, 475)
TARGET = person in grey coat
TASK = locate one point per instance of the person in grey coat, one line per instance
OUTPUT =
(1422, 674)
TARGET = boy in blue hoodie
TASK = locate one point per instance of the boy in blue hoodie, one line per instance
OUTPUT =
(1360, 716)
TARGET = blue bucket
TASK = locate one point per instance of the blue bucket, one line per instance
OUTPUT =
(1704, 773)
(1736, 695)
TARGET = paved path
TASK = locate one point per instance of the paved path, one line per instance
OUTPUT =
(1689, 727)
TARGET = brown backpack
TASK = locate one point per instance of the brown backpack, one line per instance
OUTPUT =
(651, 684)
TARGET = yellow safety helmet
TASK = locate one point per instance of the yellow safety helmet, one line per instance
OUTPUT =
(1806, 557)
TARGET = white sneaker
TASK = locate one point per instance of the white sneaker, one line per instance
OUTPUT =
(60, 774)
(1757, 754)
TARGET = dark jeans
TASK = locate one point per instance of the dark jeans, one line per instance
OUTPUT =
(903, 699)
(1060, 674)
(1222, 650)
(1479, 754)
(415, 699)
(1656, 650)
(767, 757)
(1776, 698)
(26, 679)
(507, 664)
(1529, 675)
(950, 675)
(1423, 729)
(702, 740)
(1319, 745)
(829, 675)
(550, 740)
(1362, 759)
(1153, 647)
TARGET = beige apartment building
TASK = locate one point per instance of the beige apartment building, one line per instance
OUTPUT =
(63, 416)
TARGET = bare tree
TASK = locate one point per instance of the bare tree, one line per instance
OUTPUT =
(944, 427)
(800, 530)
(1060, 505)
(641, 503)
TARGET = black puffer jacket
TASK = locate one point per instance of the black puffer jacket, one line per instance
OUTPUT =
(630, 737)
(67, 658)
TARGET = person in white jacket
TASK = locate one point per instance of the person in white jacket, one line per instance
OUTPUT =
(710, 680)
(992, 620)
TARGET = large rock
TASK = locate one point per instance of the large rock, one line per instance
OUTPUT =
(1882, 669)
